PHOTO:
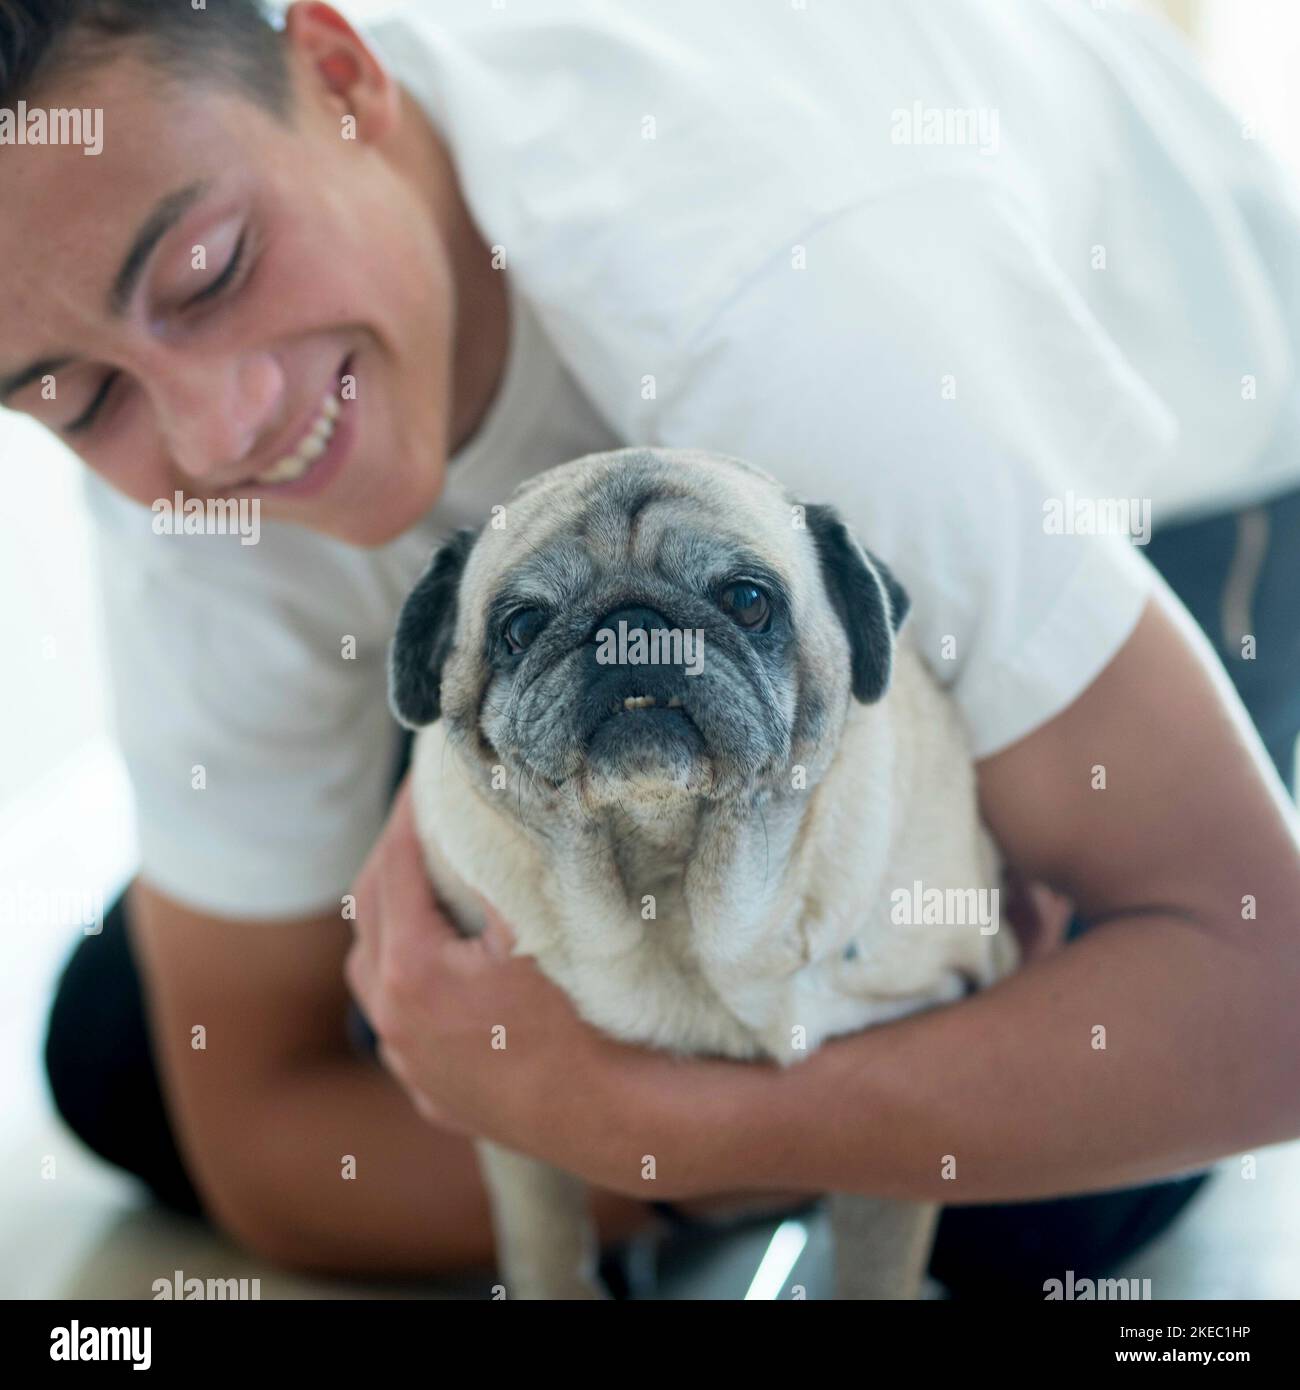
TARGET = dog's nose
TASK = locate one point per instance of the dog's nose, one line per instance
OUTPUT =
(636, 617)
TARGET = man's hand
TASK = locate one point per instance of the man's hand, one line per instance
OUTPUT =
(480, 1039)
(486, 1045)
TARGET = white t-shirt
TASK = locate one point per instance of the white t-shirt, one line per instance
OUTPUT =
(726, 226)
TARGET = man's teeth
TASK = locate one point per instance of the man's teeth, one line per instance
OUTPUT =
(294, 465)
(648, 701)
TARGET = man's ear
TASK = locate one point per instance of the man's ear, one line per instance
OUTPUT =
(869, 601)
(425, 628)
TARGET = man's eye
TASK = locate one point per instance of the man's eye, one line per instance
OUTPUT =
(87, 416)
(227, 275)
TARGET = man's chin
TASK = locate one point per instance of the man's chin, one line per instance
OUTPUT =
(393, 500)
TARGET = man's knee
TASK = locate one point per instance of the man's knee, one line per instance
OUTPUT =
(100, 1067)
(80, 1052)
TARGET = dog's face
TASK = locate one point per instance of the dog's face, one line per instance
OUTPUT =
(647, 624)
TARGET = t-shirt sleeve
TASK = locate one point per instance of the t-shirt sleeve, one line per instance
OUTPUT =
(258, 739)
(942, 383)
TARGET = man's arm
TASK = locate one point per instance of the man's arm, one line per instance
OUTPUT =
(1197, 998)
(1188, 863)
(267, 1111)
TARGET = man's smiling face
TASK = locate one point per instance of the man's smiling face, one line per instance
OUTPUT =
(216, 371)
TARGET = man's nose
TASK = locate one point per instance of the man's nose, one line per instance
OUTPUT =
(212, 414)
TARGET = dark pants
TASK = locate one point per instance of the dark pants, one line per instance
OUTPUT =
(105, 1083)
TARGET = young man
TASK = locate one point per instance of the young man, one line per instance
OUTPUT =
(955, 268)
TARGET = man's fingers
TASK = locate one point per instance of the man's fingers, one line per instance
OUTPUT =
(410, 907)
(413, 930)
(362, 964)
(360, 967)
(371, 925)
(497, 937)
(1039, 917)
(401, 828)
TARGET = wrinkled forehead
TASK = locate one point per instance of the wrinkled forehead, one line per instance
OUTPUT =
(681, 522)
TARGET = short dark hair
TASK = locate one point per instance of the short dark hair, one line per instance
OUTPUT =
(226, 41)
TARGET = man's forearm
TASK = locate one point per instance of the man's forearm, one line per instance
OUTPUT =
(1148, 1047)
(335, 1171)
(339, 1174)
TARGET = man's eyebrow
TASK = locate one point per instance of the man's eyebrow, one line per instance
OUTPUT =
(161, 220)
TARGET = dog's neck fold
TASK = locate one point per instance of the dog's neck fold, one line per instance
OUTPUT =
(715, 870)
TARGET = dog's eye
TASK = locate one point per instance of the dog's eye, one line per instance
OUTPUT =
(522, 628)
(747, 604)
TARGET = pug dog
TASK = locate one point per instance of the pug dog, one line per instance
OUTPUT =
(670, 731)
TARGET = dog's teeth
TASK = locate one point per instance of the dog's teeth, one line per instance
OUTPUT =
(639, 702)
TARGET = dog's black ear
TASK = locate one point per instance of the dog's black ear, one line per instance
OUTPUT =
(425, 628)
(867, 598)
